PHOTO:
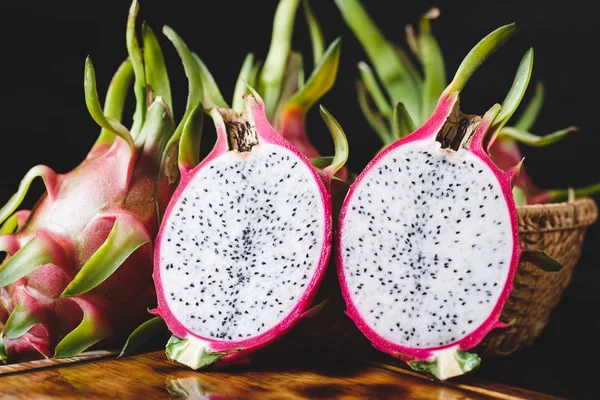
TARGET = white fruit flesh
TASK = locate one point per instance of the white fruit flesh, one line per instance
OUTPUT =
(426, 245)
(242, 243)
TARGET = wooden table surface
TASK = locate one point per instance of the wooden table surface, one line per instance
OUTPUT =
(151, 375)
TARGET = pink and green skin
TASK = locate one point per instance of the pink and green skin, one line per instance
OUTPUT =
(78, 266)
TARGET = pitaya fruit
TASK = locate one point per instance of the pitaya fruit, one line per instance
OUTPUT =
(244, 243)
(427, 244)
(78, 267)
(410, 97)
(246, 237)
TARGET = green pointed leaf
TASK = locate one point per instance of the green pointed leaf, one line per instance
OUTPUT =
(402, 123)
(155, 68)
(19, 322)
(10, 225)
(137, 60)
(240, 85)
(3, 353)
(321, 162)
(519, 195)
(90, 331)
(253, 78)
(320, 81)
(95, 109)
(534, 140)
(189, 147)
(445, 366)
(411, 39)
(158, 129)
(340, 143)
(115, 99)
(316, 34)
(127, 235)
(516, 92)
(372, 86)
(391, 69)
(142, 334)
(212, 95)
(478, 54)
(433, 66)
(528, 117)
(191, 352)
(292, 83)
(374, 119)
(37, 252)
(559, 195)
(542, 260)
(192, 71)
(272, 73)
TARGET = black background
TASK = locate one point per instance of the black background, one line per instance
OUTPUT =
(43, 118)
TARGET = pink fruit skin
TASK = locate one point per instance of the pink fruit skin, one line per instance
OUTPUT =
(239, 351)
(78, 213)
(428, 131)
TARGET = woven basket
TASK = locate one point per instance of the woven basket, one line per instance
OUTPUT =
(559, 230)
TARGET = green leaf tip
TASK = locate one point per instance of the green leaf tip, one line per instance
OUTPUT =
(127, 235)
(193, 74)
(531, 112)
(478, 54)
(339, 140)
(95, 109)
(19, 322)
(516, 92)
(434, 69)
(137, 60)
(320, 81)
(212, 95)
(559, 195)
(392, 67)
(40, 171)
(272, 74)
(532, 140)
(155, 69)
(240, 85)
(316, 33)
(542, 260)
(114, 102)
(447, 363)
(374, 119)
(37, 252)
(402, 122)
(191, 352)
(189, 146)
(92, 329)
(142, 334)
(372, 86)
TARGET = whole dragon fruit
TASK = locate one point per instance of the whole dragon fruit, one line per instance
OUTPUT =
(247, 235)
(409, 98)
(78, 267)
(427, 239)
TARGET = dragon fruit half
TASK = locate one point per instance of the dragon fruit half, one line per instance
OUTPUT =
(78, 267)
(411, 96)
(427, 243)
(247, 235)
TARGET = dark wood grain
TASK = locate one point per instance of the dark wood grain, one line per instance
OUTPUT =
(150, 375)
